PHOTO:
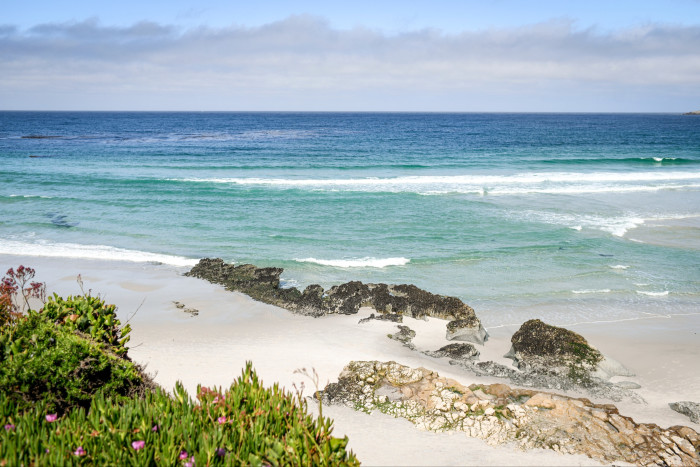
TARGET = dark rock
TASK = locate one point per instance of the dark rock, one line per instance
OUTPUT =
(694, 112)
(263, 284)
(556, 358)
(691, 409)
(245, 276)
(460, 352)
(540, 344)
(405, 336)
(190, 311)
(394, 318)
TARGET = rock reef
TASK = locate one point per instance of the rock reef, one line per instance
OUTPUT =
(537, 345)
(500, 414)
(547, 357)
(263, 284)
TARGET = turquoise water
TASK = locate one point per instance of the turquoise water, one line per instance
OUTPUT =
(570, 217)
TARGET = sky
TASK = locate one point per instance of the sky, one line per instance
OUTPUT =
(438, 55)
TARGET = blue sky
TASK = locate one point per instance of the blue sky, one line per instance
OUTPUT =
(501, 55)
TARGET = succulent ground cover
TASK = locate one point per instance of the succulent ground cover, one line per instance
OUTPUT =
(69, 395)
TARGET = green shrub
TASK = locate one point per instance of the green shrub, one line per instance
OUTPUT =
(246, 425)
(40, 361)
(91, 316)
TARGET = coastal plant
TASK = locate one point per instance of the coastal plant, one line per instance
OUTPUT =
(16, 289)
(247, 424)
(40, 361)
(89, 315)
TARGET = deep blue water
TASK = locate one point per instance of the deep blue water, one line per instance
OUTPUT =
(578, 216)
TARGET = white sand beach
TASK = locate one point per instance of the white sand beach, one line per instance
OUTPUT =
(230, 329)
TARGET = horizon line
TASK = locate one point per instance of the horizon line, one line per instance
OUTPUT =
(357, 111)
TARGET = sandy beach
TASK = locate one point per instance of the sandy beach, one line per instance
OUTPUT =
(230, 329)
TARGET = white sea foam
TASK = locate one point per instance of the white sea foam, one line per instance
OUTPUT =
(358, 263)
(653, 294)
(617, 226)
(590, 291)
(288, 283)
(661, 159)
(618, 266)
(99, 252)
(523, 183)
(31, 196)
(533, 177)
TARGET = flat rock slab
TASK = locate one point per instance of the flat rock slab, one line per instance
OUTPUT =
(501, 414)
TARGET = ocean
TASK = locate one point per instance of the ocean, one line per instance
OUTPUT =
(567, 217)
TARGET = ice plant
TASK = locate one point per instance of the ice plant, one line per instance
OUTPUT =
(183, 455)
(80, 451)
(9, 427)
(52, 417)
(138, 444)
(221, 420)
(155, 428)
(221, 452)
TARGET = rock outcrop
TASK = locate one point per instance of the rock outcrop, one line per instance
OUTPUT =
(408, 300)
(405, 336)
(459, 352)
(500, 414)
(394, 318)
(691, 409)
(694, 112)
(537, 345)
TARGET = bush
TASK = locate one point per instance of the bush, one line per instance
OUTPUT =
(245, 425)
(91, 316)
(40, 361)
(69, 395)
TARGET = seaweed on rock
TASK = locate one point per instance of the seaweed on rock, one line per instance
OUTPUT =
(263, 284)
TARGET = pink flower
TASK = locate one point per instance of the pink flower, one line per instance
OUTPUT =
(9, 427)
(80, 451)
(52, 418)
(221, 420)
(155, 428)
(138, 444)
(221, 452)
(183, 455)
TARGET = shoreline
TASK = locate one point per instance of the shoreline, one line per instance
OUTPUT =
(212, 347)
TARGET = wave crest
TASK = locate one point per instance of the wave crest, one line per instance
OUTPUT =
(358, 263)
(482, 184)
(98, 252)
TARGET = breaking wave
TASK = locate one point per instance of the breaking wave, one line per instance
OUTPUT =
(358, 263)
(98, 252)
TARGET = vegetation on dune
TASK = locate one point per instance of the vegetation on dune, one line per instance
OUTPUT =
(69, 395)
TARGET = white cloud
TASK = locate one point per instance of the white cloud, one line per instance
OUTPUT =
(148, 65)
